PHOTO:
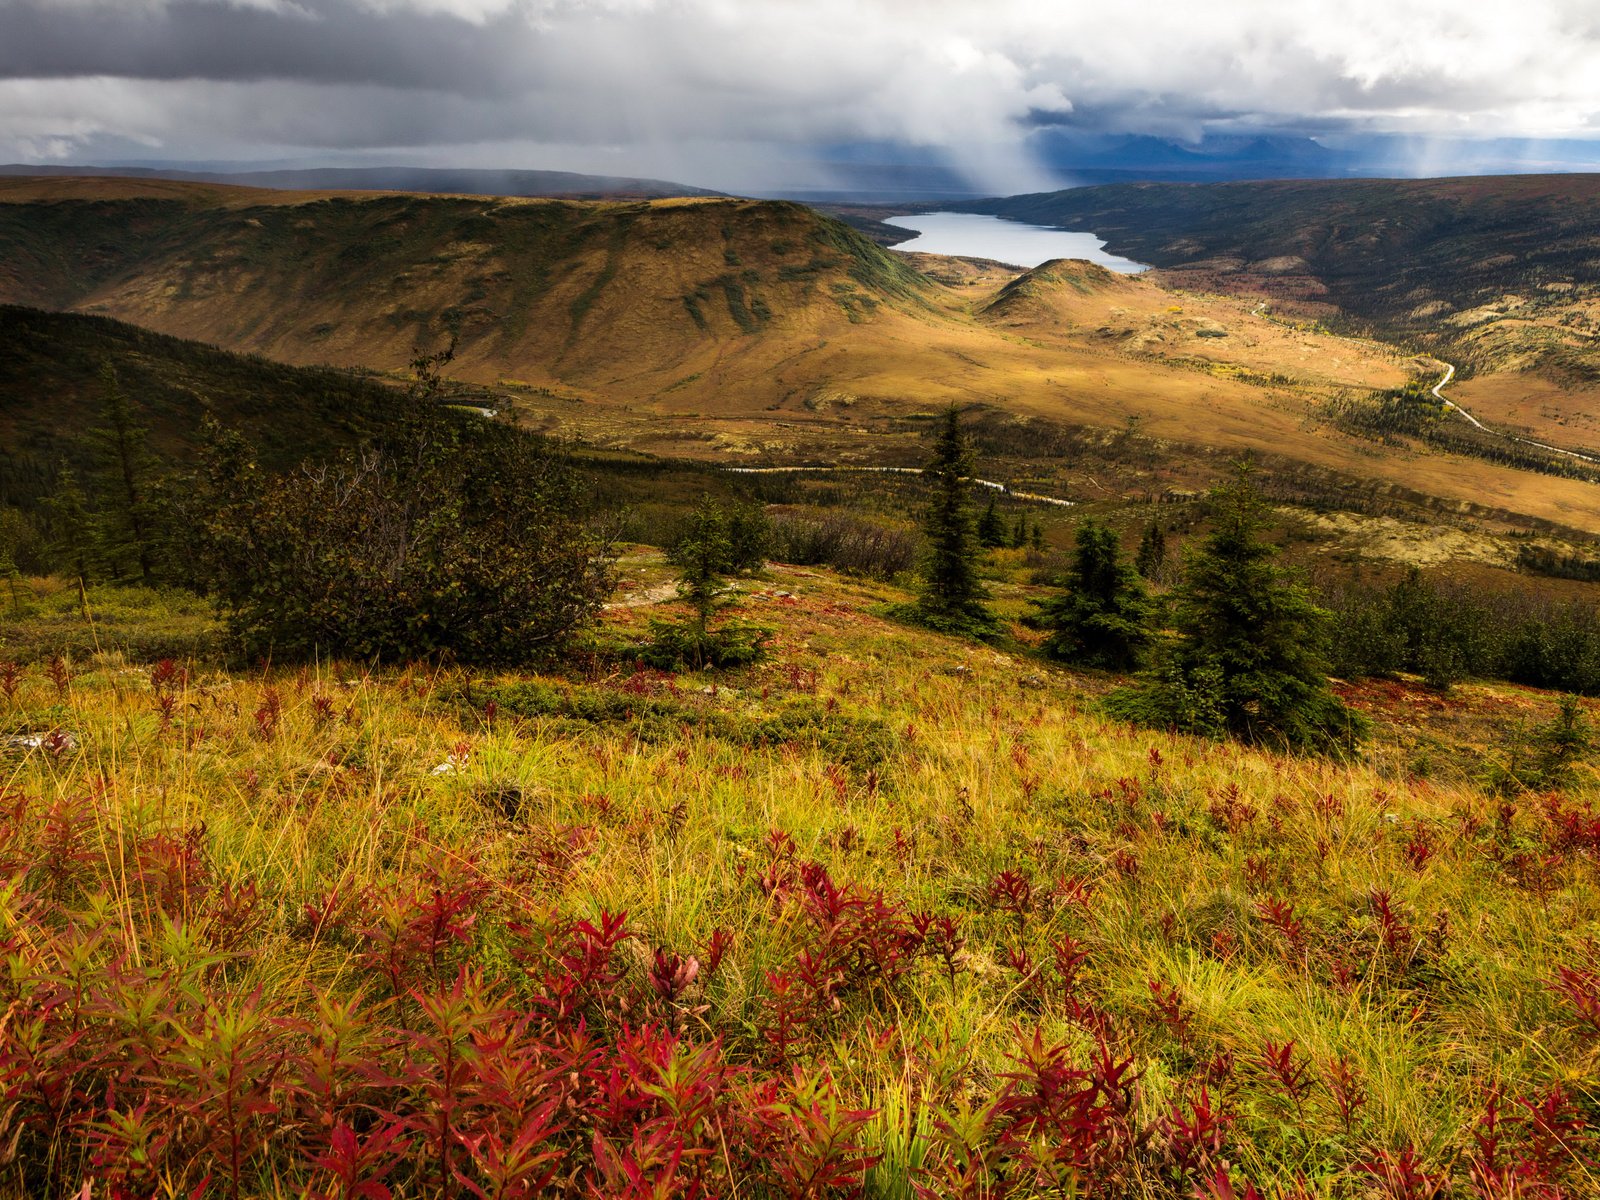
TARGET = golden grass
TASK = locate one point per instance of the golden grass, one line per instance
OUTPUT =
(367, 776)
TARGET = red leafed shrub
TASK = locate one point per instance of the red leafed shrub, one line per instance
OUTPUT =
(1053, 1127)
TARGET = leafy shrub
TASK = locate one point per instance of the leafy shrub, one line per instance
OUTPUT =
(655, 710)
(676, 644)
(450, 536)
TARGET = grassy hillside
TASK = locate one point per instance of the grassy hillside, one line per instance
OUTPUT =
(890, 910)
(51, 392)
(541, 289)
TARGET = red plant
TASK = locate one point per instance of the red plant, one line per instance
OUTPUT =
(1348, 1092)
(940, 937)
(353, 1167)
(1219, 1186)
(671, 976)
(10, 678)
(716, 949)
(60, 675)
(1194, 1138)
(1418, 847)
(1293, 1079)
(269, 714)
(1402, 1176)
(1280, 915)
(1171, 1010)
(810, 1142)
(1392, 926)
(1580, 987)
(1010, 892)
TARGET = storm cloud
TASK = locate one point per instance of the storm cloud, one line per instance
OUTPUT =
(722, 93)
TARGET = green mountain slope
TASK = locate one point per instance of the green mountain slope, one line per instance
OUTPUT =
(51, 391)
(580, 293)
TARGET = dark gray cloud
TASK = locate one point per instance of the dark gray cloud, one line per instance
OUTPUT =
(728, 93)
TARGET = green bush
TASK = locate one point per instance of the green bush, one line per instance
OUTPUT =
(852, 739)
(674, 645)
(450, 536)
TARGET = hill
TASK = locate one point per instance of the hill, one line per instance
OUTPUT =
(529, 288)
(762, 331)
(51, 391)
(887, 903)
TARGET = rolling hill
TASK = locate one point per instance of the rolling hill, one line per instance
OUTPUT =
(755, 331)
(1500, 274)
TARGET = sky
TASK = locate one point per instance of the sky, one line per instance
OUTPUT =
(744, 94)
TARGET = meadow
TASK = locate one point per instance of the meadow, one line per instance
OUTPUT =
(888, 915)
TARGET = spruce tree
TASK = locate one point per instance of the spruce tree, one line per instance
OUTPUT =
(703, 555)
(991, 529)
(1248, 659)
(1152, 555)
(1019, 533)
(1103, 616)
(69, 523)
(716, 542)
(951, 598)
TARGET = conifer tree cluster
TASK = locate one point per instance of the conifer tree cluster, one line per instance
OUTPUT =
(1104, 616)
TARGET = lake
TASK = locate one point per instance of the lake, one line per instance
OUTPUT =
(975, 235)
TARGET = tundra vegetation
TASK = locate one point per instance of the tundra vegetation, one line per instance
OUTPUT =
(881, 912)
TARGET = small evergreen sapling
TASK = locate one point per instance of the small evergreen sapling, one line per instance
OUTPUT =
(951, 599)
(1103, 616)
(1151, 560)
(991, 529)
(715, 543)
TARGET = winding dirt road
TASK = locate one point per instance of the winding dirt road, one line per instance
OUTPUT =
(1437, 390)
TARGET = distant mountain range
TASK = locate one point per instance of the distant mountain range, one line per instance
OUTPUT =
(456, 181)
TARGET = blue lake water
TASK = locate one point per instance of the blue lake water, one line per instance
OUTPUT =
(975, 235)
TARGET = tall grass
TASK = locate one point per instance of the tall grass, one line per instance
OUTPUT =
(345, 933)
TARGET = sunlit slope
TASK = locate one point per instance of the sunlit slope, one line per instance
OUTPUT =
(1071, 300)
(716, 326)
(590, 293)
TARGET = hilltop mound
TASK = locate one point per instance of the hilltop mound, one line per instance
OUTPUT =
(1053, 291)
(535, 289)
